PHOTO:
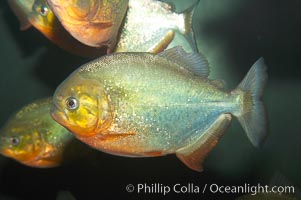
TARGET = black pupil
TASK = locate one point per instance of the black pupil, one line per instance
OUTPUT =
(72, 103)
(14, 141)
(43, 10)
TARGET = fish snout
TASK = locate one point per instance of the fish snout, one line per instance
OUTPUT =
(58, 115)
(54, 112)
(3, 142)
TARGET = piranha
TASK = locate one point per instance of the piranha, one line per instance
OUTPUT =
(150, 26)
(43, 19)
(37, 13)
(33, 138)
(93, 22)
(142, 104)
(21, 9)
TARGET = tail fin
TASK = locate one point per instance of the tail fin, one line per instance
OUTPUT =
(253, 116)
(188, 31)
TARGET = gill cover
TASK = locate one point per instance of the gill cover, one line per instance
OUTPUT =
(81, 106)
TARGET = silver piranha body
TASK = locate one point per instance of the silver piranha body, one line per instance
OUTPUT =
(142, 104)
(150, 26)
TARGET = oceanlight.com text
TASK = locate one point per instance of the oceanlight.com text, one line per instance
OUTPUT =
(192, 188)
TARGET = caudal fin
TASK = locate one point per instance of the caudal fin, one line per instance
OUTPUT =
(188, 31)
(253, 115)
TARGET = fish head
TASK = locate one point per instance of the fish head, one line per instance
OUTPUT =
(87, 11)
(92, 22)
(77, 9)
(32, 137)
(19, 142)
(43, 19)
(81, 106)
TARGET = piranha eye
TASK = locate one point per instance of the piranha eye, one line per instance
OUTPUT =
(14, 141)
(72, 103)
(43, 10)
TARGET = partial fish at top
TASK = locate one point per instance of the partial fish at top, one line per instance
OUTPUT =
(43, 19)
(39, 14)
(150, 26)
(95, 23)
(143, 24)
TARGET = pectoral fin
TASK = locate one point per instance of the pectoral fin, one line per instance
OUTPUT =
(194, 155)
(114, 136)
(102, 25)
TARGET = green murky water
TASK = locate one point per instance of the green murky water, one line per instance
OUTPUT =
(233, 34)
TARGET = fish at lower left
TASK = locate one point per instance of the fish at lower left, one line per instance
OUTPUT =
(33, 138)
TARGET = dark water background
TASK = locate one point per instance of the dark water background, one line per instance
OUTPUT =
(233, 34)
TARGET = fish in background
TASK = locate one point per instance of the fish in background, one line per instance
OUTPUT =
(33, 138)
(38, 14)
(94, 23)
(149, 35)
(43, 19)
(142, 104)
(21, 9)
(150, 26)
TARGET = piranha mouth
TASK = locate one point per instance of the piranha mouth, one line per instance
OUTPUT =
(7, 152)
(11, 154)
(58, 115)
(42, 163)
(29, 161)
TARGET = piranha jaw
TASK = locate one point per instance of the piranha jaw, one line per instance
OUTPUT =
(20, 156)
(81, 105)
(74, 122)
(59, 116)
(42, 163)
(56, 114)
(30, 160)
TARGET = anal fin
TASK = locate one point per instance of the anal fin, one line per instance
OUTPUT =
(194, 155)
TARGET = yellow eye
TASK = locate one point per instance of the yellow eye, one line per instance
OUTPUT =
(72, 103)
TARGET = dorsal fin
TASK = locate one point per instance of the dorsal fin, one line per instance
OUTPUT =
(194, 155)
(194, 62)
